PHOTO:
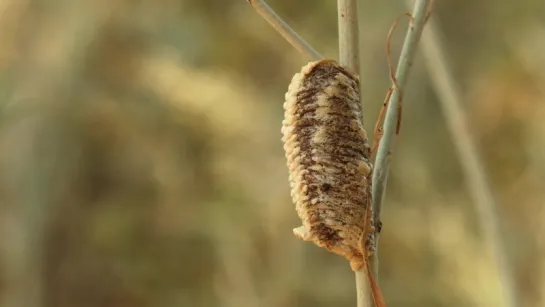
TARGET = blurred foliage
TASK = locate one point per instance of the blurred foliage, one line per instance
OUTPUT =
(141, 163)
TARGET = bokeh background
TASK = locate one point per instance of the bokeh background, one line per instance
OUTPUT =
(141, 162)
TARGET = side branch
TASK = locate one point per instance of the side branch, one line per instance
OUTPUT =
(263, 9)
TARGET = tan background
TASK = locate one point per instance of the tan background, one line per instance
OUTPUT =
(141, 162)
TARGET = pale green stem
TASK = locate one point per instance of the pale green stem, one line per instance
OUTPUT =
(382, 162)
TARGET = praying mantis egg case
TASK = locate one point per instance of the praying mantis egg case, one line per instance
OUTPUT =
(327, 153)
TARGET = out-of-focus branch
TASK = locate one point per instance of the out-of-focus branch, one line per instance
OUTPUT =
(263, 9)
(38, 152)
(477, 183)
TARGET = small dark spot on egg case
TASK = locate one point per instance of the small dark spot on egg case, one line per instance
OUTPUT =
(325, 187)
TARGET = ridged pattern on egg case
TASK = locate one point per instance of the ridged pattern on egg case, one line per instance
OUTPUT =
(327, 155)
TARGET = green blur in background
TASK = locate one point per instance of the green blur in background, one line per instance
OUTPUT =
(141, 162)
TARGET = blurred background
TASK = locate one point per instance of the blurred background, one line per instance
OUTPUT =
(141, 162)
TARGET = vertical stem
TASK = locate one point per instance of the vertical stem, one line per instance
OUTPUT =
(380, 174)
(363, 297)
(349, 55)
(382, 162)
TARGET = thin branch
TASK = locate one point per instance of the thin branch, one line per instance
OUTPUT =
(349, 52)
(362, 290)
(349, 56)
(263, 9)
(477, 183)
(382, 162)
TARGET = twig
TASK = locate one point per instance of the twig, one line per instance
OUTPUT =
(349, 55)
(263, 9)
(477, 183)
(380, 172)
